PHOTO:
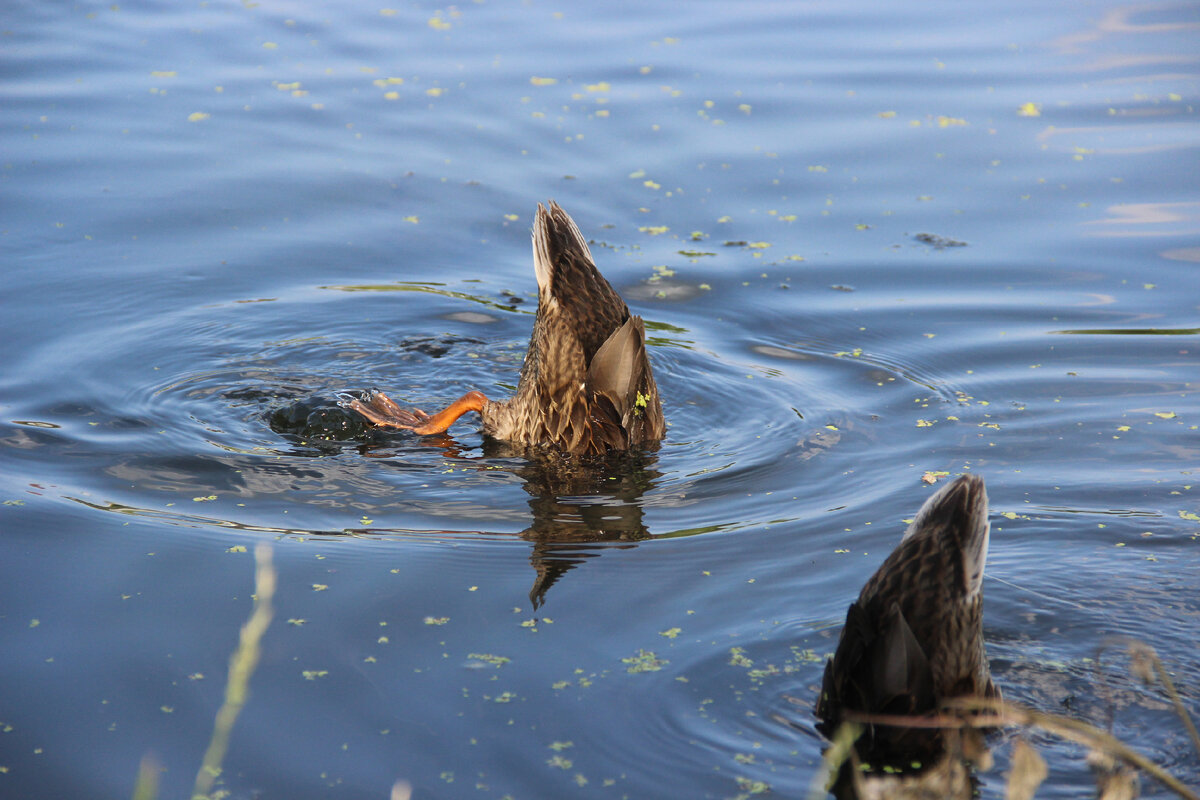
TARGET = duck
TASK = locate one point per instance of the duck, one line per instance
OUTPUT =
(914, 637)
(586, 386)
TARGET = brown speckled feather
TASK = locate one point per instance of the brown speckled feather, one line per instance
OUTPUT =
(914, 637)
(586, 386)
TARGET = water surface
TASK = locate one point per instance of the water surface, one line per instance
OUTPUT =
(869, 244)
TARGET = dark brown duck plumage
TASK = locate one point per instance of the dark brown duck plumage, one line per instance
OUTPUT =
(914, 637)
(586, 386)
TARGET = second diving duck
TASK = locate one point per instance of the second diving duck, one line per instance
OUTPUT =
(914, 637)
(586, 386)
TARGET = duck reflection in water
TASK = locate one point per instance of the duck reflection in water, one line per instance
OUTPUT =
(912, 641)
(582, 506)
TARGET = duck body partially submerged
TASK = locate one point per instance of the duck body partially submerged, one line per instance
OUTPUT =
(914, 636)
(586, 386)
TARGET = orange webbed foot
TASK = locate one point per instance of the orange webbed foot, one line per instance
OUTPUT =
(381, 410)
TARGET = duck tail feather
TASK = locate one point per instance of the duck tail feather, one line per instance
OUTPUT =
(957, 516)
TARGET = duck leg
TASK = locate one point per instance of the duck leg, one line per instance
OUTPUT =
(382, 411)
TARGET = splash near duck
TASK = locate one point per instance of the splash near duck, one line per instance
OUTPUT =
(586, 386)
(914, 637)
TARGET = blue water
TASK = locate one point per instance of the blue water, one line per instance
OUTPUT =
(214, 212)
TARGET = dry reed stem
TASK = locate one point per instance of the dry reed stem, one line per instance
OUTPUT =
(1139, 653)
(1003, 712)
(985, 713)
